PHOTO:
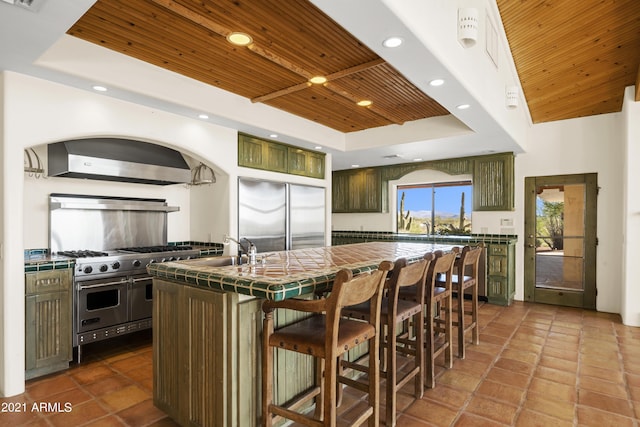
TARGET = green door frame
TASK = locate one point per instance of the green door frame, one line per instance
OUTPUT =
(587, 297)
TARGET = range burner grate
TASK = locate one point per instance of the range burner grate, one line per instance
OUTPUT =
(152, 249)
(82, 253)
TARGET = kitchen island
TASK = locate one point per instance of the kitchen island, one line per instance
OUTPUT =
(207, 323)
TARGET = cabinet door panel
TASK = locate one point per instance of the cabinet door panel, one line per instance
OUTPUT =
(48, 330)
(493, 183)
(315, 165)
(250, 152)
(277, 157)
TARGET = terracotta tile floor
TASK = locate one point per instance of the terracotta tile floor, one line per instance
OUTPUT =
(537, 365)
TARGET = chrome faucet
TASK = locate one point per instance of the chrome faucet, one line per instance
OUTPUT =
(251, 250)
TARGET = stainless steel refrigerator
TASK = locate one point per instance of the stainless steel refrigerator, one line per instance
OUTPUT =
(278, 216)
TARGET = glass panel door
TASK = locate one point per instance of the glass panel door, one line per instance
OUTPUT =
(560, 240)
(560, 237)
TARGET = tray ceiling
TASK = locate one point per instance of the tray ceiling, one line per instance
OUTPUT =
(292, 42)
(573, 58)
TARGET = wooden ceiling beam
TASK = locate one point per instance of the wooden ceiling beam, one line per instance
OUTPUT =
(281, 92)
(333, 76)
(193, 17)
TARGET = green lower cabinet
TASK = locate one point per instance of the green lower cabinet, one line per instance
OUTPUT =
(501, 273)
(48, 321)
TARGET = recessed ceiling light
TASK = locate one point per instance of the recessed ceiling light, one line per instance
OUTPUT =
(318, 80)
(436, 82)
(273, 135)
(99, 88)
(355, 166)
(239, 39)
(364, 103)
(463, 106)
(203, 116)
(417, 160)
(317, 147)
(392, 42)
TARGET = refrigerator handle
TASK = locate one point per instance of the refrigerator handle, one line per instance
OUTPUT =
(287, 222)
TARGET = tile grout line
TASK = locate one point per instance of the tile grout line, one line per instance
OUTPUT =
(462, 408)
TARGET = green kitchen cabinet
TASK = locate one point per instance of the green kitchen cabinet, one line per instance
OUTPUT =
(258, 153)
(48, 322)
(493, 188)
(306, 163)
(366, 190)
(501, 286)
(357, 191)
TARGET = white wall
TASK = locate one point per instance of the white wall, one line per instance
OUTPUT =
(584, 145)
(630, 309)
(36, 112)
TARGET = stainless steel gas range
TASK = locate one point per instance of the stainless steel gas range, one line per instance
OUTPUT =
(112, 290)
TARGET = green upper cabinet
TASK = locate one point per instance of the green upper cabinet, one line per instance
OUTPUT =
(357, 190)
(493, 183)
(365, 190)
(306, 163)
(259, 154)
(272, 156)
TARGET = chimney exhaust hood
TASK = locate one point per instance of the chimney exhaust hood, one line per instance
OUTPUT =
(114, 159)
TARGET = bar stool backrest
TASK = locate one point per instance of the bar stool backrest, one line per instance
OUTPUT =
(469, 258)
(443, 264)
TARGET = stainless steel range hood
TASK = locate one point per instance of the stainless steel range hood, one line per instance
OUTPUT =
(113, 159)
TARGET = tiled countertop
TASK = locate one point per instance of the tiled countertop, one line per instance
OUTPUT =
(41, 260)
(289, 274)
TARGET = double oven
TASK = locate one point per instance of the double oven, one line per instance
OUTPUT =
(112, 289)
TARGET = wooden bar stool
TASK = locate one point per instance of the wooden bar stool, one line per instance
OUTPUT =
(437, 302)
(467, 277)
(326, 336)
(394, 311)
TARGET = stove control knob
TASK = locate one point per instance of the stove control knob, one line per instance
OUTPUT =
(171, 258)
(152, 261)
(136, 263)
(115, 265)
(103, 268)
(88, 269)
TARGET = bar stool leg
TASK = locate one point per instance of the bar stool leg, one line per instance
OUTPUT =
(474, 315)
(319, 362)
(429, 333)
(267, 369)
(448, 330)
(392, 362)
(461, 327)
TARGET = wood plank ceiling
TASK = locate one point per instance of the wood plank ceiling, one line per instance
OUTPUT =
(292, 42)
(574, 58)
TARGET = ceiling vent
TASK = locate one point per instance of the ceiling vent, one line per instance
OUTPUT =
(32, 5)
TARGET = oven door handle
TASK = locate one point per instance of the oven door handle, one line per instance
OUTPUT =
(142, 279)
(101, 285)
